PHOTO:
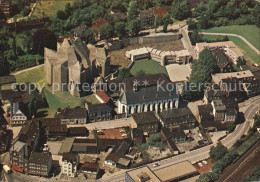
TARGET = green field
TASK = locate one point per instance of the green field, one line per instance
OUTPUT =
(35, 76)
(50, 7)
(249, 53)
(62, 100)
(249, 32)
(148, 66)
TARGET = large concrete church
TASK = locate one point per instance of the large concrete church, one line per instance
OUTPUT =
(73, 64)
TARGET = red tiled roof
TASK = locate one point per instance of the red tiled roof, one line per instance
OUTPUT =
(98, 23)
(16, 168)
(158, 11)
(103, 95)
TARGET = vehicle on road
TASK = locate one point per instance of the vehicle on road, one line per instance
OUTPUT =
(7, 169)
(156, 164)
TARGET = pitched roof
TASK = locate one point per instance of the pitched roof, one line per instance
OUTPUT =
(159, 11)
(7, 79)
(221, 58)
(71, 157)
(53, 124)
(77, 131)
(99, 108)
(176, 114)
(90, 166)
(98, 23)
(37, 157)
(71, 113)
(145, 118)
(103, 95)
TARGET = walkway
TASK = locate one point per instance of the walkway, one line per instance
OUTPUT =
(234, 35)
(27, 69)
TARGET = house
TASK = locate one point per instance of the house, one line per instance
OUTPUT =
(213, 92)
(22, 146)
(70, 163)
(177, 117)
(99, 112)
(177, 135)
(147, 18)
(230, 49)
(146, 121)
(219, 110)
(137, 135)
(90, 168)
(98, 23)
(222, 61)
(77, 115)
(102, 97)
(117, 155)
(18, 114)
(40, 164)
(53, 127)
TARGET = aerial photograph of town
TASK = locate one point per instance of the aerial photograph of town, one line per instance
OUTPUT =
(130, 90)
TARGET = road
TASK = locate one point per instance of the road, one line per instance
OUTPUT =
(202, 153)
(27, 69)
(235, 35)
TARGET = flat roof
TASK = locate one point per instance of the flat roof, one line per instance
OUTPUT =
(178, 73)
(145, 172)
(67, 145)
(139, 51)
(241, 74)
(175, 171)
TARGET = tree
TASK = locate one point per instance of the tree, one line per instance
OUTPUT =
(132, 11)
(4, 68)
(210, 176)
(24, 42)
(90, 35)
(195, 37)
(191, 24)
(218, 152)
(123, 73)
(106, 31)
(120, 29)
(134, 27)
(33, 107)
(44, 38)
(183, 10)
(61, 15)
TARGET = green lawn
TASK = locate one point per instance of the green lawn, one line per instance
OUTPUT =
(148, 66)
(249, 32)
(49, 8)
(246, 50)
(62, 100)
(248, 143)
(35, 76)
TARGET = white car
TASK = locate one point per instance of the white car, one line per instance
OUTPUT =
(156, 164)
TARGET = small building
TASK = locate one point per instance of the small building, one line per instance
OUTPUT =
(138, 54)
(213, 92)
(222, 61)
(78, 131)
(146, 121)
(90, 168)
(72, 116)
(176, 135)
(177, 117)
(219, 110)
(102, 97)
(85, 146)
(53, 127)
(137, 135)
(99, 112)
(40, 164)
(18, 115)
(70, 163)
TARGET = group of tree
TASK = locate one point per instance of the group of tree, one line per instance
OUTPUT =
(200, 75)
(223, 158)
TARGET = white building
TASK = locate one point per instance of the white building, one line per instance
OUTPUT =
(137, 54)
(70, 163)
(17, 115)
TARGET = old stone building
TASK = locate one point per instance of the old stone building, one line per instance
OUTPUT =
(73, 64)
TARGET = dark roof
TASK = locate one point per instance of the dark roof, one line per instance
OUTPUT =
(7, 79)
(137, 133)
(53, 125)
(214, 91)
(78, 131)
(172, 145)
(175, 133)
(205, 112)
(90, 166)
(81, 140)
(175, 115)
(99, 108)
(127, 83)
(79, 148)
(18, 106)
(42, 158)
(71, 157)
(221, 58)
(145, 118)
(147, 94)
(211, 123)
(71, 113)
(231, 84)
(119, 150)
(29, 132)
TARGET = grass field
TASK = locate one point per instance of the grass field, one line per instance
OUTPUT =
(148, 66)
(62, 100)
(35, 76)
(247, 51)
(249, 32)
(49, 7)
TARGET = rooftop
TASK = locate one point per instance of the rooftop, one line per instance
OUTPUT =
(145, 118)
(103, 95)
(159, 11)
(71, 113)
(179, 73)
(116, 133)
(143, 174)
(241, 74)
(98, 23)
(37, 157)
(175, 171)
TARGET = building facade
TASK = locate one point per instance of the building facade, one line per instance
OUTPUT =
(40, 164)
(18, 114)
(70, 163)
